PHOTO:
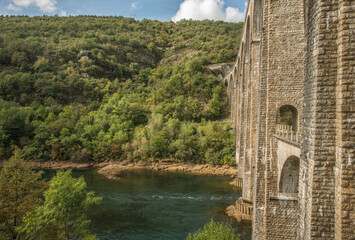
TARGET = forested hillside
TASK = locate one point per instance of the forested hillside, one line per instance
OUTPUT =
(113, 88)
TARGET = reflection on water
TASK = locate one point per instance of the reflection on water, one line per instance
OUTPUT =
(151, 205)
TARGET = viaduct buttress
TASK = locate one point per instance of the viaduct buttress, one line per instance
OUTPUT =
(292, 100)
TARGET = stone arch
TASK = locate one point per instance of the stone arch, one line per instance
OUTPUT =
(247, 40)
(289, 179)
(242, 53)
(230, 86)
(288, 115)
(257, 18)
(235, 76)
(238, 67)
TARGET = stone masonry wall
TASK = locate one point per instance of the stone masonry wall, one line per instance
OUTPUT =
(327, 203)
(285, 72)
(299, 53)
(284, 215)
(345, 101)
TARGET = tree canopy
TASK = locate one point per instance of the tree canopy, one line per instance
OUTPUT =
(63, 214)
(20, 192)
(89, 88)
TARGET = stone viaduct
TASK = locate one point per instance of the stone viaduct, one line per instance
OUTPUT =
(292, 100)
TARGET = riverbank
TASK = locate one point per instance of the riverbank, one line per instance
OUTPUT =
(56, 165)
(112, 170)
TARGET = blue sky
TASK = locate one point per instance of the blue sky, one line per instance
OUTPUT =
(163, 10)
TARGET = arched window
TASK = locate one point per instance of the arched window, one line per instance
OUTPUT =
(290, 175)
(288, 115)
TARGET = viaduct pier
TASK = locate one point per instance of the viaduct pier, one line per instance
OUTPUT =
(292, 97)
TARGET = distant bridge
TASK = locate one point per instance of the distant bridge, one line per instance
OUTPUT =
(292, 100)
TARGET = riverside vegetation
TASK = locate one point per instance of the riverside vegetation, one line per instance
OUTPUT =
(111, 88)
(23, 213)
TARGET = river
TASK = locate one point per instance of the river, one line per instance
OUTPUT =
(146, 205)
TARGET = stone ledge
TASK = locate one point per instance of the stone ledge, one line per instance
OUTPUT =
(285, 197)
(298, 145)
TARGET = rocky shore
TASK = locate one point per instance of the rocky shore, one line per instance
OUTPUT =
(56, 165)
(112, 170)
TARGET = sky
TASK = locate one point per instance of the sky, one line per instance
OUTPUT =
(162, 10)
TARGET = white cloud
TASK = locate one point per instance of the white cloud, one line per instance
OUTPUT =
(43, 5)
(63, 13)
(234, 15)
(46, 5)
(208, 9)
(134, 6)
(23, 3)
(14, 8)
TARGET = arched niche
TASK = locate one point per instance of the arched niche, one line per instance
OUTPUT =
(288, 115)
(289, 179)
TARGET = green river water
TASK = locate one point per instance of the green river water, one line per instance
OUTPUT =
(146, 205)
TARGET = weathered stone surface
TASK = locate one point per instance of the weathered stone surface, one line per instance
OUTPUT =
(298, 53)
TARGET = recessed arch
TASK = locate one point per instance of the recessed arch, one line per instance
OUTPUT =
(289, 180)
(288, 115)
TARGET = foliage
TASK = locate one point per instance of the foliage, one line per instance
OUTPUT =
(206, 142)
(20, 191)
(214, 230)
(91, 91)
(286, 115)
(62, 215)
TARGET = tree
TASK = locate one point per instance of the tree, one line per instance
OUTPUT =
(214, 230)
(216, 103)
(62, 216)
(20, 191)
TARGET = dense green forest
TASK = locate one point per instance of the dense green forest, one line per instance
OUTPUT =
(112, 88)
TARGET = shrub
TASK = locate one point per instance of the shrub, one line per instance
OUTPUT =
(213, 231)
